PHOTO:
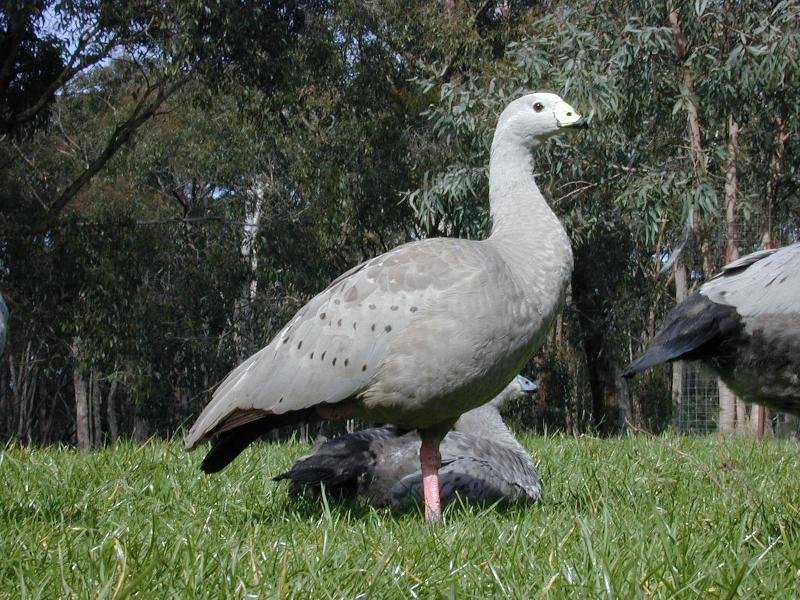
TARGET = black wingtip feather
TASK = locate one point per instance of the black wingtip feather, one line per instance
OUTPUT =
(338, 463)
(230, 444)
(697, 328)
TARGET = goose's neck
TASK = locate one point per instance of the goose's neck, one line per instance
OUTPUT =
(515, 201)
(524, 228)
(486, 422)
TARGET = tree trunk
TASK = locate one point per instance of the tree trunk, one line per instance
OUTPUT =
(678, 365)
(742, 415)
(775, 169)
(727, 410)
(731, 191)
(623, 399)
(760, 421)
(253, 211)
(82, 438)
(729, 404)
(111, 411)
(95, 407)
(141, 428)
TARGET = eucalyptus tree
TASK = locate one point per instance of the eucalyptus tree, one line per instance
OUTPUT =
(668, 88)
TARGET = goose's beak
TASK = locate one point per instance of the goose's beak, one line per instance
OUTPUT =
(582, 123)
(566, 116)
(526, 385)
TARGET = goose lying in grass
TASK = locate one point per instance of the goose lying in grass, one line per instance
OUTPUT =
(482, 461)
(419, 335)
(744, 325)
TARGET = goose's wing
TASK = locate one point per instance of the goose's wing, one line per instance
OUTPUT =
(334, 346)
(765, 282)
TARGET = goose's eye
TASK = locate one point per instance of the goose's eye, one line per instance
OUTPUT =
(538, 107)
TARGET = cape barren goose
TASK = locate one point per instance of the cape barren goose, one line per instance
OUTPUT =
(744, 325)
(481, 462)
(419, 335)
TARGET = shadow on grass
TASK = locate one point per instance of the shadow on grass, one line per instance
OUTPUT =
(348, 508)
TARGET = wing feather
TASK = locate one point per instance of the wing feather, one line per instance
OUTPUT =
(333, 347)
(764, 282)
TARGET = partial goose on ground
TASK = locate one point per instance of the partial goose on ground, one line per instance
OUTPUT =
(482, 461)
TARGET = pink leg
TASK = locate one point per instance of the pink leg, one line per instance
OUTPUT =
(430, 461)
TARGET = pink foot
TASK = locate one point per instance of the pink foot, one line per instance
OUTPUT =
(430, 460)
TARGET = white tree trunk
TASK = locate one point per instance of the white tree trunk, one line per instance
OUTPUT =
(728, 415)
(733, 412)
(678, 366)
(254, 208)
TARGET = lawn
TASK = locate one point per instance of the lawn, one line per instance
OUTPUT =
(625, 517)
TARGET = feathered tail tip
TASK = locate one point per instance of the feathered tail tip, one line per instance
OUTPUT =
(694, 329)
(338, 464)
(650, 358)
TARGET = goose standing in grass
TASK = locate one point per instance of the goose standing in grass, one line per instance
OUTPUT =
(419, 335)
(482, 461)
(744, 325)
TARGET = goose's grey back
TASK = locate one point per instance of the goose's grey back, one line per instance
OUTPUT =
(766, 282)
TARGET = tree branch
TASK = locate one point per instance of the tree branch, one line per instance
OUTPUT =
(122, 133)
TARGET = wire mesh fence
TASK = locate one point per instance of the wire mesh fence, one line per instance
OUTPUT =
(698, 408)
(698, 411)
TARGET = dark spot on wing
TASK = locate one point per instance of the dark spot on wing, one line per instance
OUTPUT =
(299, 344)
(388, 328)
(311, 355)
(372, 307)
(373, 327)
(394, 307)
(322, 316)
(339, 322)
(354, 324)
(286, 339)
(337, 301)
(323, 356)
(413, 309)
(281, 400)
(346, 361)
(363, 367)
(333, 362)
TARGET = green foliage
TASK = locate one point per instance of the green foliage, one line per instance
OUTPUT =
(659, 517)
(362, 126)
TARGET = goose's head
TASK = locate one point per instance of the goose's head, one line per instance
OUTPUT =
(518, 388)
(535, 117)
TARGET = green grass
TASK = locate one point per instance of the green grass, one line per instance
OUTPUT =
(630, 517)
